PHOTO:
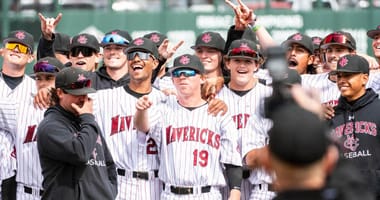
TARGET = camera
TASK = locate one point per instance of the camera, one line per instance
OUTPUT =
(277, 66)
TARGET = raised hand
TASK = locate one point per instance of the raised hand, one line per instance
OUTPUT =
(243, 15)
(48, 25)
(167, 52)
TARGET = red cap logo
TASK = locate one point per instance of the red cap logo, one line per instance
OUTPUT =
(20, 35)
(343, 62)
(138, 42)
(114, 32)
(297, 37)
(378, 27)
(184, 60)
(82, 39)
(81, 77)
(317, 40)
(155, 38)
(206, 38)
(244, 46)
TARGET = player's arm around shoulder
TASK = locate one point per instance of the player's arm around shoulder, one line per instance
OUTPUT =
(140, 120)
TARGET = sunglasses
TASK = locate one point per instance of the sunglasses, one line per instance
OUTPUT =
(22, 48)
(79, 84)
(114, 39)
(45, 67)
(336, 38)
(86, 52)
(243, 51)
(142, 55)
(186, 72)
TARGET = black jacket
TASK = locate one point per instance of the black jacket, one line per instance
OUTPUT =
(355, 126)
(75, 161)
(101, 80)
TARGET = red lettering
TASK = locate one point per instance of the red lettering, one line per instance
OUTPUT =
(30, 136)
(217, 141)
(210, 137)
(192, 134)
(168, 139)
(128, 120)
(114, 125)
(186, 133)
(202, 136)
(122, 124)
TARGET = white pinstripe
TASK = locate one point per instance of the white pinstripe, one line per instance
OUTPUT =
(247, 110)
(131, 150)
(193, 145)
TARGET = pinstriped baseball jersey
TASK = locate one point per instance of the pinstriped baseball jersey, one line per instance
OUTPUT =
(245, 110)
(24, 90)
(28, 163)
(114, 110)
(7, 127)
(193, 144)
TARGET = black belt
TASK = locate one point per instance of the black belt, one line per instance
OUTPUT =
(140, 175)
(270, 187)
(187, 190)
(246, 173)
(30, 190)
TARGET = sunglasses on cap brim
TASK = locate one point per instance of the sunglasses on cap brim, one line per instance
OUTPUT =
(78, 85)
(114, 39)
(336, 38)
(243, 52)
(45, 67)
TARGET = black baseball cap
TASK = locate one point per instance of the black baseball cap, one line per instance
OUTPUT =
(316, 40)
(74, 81)
(156, 37)
(352, 64)
(47, 65)
(374, 32)
(301, 39)
(243, 48)
(22, 37)
(143, 44)
(61, 42)
(187, 61)
(298, 137)
(210, 39)
(339, 38)
(122, 33)
(85, 40)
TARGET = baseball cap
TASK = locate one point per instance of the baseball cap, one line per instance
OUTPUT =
(22, 37)
(316, 40)
(210, 39)
(352, 64)
(295, 144)
(143, 44)
(243, 48)
(156, 37)
(85, 40)
(339, 38)
(374, 32)
(122, 33)
(49, 65)
(301, 39)
(187, 61)
(74, 81)
(61, 42)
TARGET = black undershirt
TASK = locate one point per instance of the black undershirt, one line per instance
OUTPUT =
(12, 82)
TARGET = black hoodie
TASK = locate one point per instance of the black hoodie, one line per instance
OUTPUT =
(101, 80)
(75, 161)
(355, 126)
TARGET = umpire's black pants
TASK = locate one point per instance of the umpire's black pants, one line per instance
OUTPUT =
(8, 189)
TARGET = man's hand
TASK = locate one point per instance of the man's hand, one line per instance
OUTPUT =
(216, 106)
(42, 98)
(328, 111)
(243, 15)
(86, 108)
(308, 100)
(166, 52)
(143, 103)
(211, 87)
(48, 25)
(234, 194)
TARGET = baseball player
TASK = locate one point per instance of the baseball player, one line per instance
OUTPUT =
(135, 153)
(14, 84)
(244, 96)
(194, 147)
(29, 176)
